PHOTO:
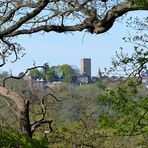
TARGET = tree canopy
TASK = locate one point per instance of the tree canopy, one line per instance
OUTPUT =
(64, 73)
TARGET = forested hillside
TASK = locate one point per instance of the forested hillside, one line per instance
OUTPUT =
(102, 114)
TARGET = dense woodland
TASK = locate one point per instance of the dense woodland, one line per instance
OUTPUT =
(105, 114)
(93, 115)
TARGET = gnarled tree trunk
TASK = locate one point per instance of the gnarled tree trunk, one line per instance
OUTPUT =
(24, 120)
(23, 108)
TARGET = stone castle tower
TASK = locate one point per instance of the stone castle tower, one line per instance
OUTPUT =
(86, 67)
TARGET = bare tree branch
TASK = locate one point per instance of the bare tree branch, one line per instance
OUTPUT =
(21, 76)
(22, 20)
(42, 121)
(89, 17)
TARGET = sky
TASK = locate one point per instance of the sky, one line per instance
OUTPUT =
(68, 48)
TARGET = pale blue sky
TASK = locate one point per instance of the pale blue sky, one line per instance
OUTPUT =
(57, 49)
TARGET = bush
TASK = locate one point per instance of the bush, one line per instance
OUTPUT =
(12, 139)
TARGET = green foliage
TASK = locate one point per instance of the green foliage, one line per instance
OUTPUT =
(10, 139)
(81, 119)
(100, 85)
(35, 74)
(78, 136)
(67, 73)
(64, 73)
(140, 2)
(50, 74)
(127, 112)
(88, 115)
